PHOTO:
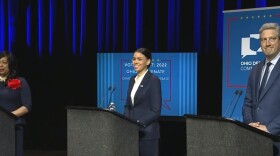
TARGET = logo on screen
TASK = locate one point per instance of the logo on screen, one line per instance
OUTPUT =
(246, 49)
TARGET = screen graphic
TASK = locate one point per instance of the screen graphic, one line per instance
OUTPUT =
(177, 72)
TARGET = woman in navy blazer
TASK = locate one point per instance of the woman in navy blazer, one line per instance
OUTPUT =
(15, 96)
(262, 109)
(143, 102)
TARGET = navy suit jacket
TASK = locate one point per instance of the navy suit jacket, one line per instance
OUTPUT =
(264, 108)
(147, 105)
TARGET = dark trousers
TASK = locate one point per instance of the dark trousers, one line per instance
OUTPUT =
(276, 148)
(19, 140)
(149, 147)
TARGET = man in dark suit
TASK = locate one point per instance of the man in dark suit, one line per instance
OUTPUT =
(261, 107)
(143, 102)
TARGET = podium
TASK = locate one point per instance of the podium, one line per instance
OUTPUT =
(95, 131)
(7, 133)
(217, 136)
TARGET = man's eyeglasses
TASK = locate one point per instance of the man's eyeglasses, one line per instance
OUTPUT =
(270, 39)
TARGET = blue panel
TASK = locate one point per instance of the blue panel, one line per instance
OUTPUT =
(242, 51)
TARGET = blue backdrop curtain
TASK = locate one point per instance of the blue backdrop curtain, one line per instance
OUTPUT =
(111, 25)
(56, 43)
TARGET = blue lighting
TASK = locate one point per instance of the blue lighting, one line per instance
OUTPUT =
(100, 28)
(219, 27)
(2, 25)
(74, 46)
(115, 25)
(83, 29)
(10, 25)
(139, 23)
(197, 24)
(28, 26)
(40, 27)
(260, 3)
(125, 25)
(156, 25)
(51, 19)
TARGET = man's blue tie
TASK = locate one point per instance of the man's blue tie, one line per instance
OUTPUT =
(264, 79)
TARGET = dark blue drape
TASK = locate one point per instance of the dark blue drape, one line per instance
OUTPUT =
(120, 25)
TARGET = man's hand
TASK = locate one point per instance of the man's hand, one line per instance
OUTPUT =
(258, 126)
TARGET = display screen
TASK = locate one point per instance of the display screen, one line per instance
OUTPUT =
(176, 70)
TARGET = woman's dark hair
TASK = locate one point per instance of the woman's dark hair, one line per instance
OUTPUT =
(146, 52)
(12, 63)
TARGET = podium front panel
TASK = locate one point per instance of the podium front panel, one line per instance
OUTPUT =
(222, 138)
(100, 133)
(7, 134)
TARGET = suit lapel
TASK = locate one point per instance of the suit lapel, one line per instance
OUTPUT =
(142, 86)
(274, 74)
(131, 84)
(259, 73)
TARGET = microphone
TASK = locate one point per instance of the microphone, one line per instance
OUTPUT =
(235, 93)
(103, 97)
(112, 90)
(240, 93)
